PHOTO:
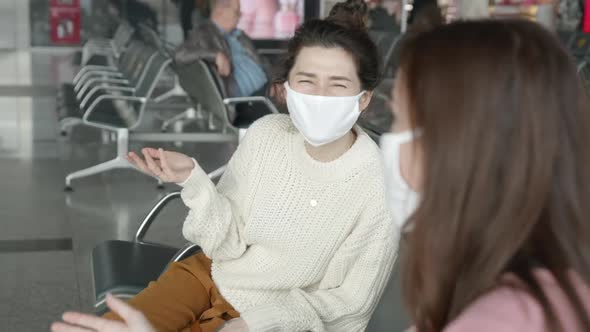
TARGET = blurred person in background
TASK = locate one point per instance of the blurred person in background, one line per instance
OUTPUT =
(473, 9)
(423, 8)
(382, 19)
(190, 11)
(219, 41)
(135, 12)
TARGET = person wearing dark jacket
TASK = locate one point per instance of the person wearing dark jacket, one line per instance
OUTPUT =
(218, 41)
(136, 12)
(187, 9)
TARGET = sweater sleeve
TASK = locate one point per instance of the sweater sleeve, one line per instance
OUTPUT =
(363, 265)
(216, 217)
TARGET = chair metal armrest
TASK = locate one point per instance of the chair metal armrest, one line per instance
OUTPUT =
(94, 90)
(151, 216)
(184, 252)
(240, 100)
(97, 101)
(155, 211)
(92, 74)
(100, 81)
(94, 68)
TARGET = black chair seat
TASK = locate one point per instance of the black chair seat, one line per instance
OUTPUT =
(66, 94)
(106, 113)
(247, 113)
(127, 267)
(97, 60)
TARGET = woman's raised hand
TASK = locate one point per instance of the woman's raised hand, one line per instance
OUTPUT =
(134, 321)
(168, 166)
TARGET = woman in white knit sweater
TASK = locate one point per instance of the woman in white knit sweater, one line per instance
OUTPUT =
(297, 229)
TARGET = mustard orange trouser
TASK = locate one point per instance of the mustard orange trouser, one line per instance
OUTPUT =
(184, 298)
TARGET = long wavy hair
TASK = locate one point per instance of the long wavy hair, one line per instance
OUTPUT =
(506, 143)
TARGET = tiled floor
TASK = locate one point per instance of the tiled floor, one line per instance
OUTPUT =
(50, 271)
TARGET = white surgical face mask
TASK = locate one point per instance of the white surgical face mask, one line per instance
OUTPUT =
(402, 199)
(322, 119)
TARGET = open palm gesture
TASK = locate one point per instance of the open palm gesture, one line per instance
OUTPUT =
(168, 166)
(134, 321)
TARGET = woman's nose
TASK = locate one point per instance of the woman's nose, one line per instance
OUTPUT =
(321, 90)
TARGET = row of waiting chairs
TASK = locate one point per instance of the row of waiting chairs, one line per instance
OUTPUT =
(115, 98)
(108, 49)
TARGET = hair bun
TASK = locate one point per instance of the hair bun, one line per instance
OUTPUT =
(351, 14)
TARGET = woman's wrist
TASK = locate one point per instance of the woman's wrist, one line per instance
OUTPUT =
(189, 173)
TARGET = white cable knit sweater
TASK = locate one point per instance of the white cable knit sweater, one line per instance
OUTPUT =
(296, 244)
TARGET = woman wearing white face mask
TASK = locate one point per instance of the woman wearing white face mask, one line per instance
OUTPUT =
(493, 128)
(297, 234)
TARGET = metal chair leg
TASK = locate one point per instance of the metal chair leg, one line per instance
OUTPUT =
(120, 161)
(190, 114)
(176, 90)
(66, 124)
(176, 118)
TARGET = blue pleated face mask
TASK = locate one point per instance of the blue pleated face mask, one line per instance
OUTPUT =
(322, 119)
(403, 200)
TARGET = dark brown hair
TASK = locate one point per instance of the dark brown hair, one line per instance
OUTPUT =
(345, 27)
(505, 138)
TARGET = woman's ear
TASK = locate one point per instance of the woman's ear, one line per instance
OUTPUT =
(365, 100)
(278, 93)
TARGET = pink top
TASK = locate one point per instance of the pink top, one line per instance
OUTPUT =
(507, 309)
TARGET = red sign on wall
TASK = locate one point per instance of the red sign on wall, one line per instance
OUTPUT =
(64, 21)
(587, 17)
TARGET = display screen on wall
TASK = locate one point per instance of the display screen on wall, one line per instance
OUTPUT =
(271, 19)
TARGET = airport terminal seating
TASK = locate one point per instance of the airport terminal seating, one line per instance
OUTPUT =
(119, 107)
(129, 72)
(106, 51)
(124, 268)
(115, 99)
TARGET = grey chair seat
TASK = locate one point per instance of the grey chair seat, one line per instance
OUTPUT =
(125, 268)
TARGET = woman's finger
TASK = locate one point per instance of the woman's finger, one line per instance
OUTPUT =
(151, 164)
(128, 313)
(164, 162)
(89, 321)
(63, 327)
(152, 152)
(138, 162)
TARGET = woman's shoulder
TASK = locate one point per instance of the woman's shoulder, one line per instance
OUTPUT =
(370, 152)
(503, 309)
(272, 124)
(511, 308)
(269, 128)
